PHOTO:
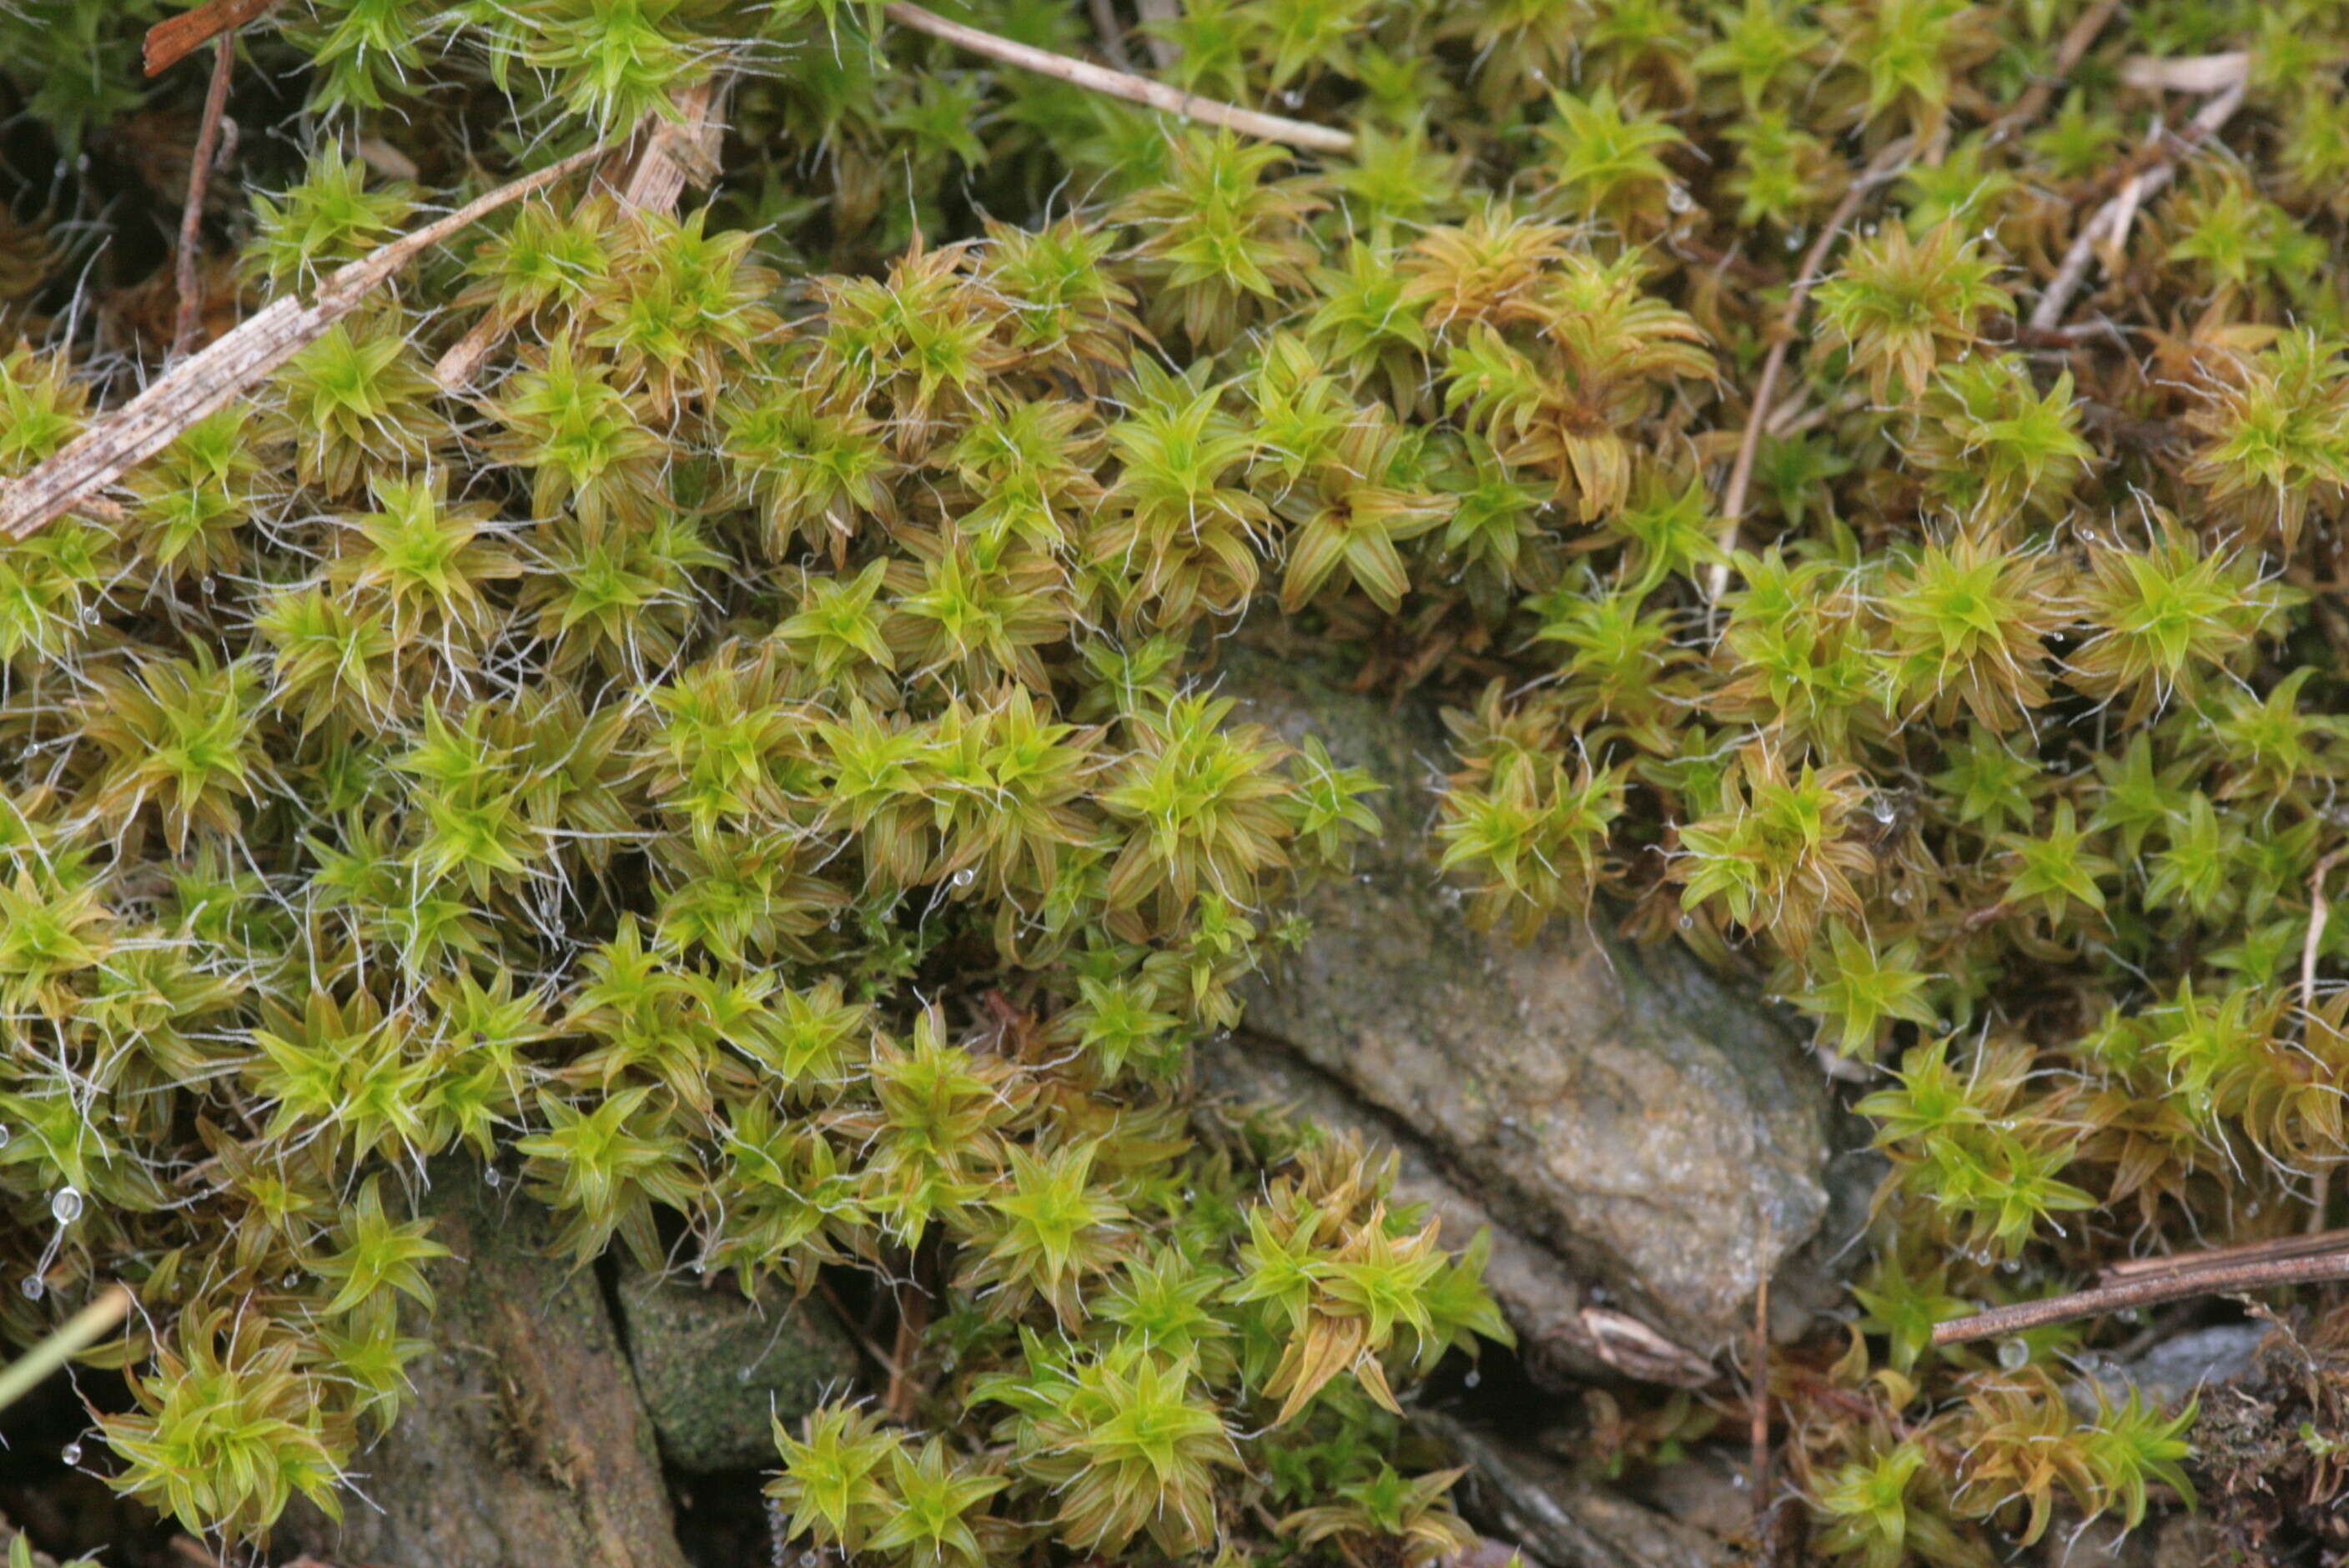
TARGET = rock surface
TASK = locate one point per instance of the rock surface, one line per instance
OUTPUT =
(524, 1442)
(2173, 1371)
(714, 1368)
(1658, 1133)
(1563, 1522)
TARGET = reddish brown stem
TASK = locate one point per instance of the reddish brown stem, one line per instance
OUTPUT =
(2218, 1279)
(1121, 84)
(1741, 473)
(199, 178)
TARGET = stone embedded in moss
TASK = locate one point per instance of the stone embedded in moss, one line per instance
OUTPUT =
(714, 1368)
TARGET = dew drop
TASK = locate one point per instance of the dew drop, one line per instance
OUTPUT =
(65, 1206)
(965, 877)
(1677, 198)
(1472, 1379)
(493, 1177)
(2014, 1354)
(33, 1287)
(742, 1374)
(4, 1135)
(291, 1282)
(2012, 1266)
(1688, 922)
(71, 1453)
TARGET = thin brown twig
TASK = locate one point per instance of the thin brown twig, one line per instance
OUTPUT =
(2048, 314)
(225, 369)
(1885, 165)
(2220, 1279)
(1121, 84)
(199, 178)
(174, 38)
(2242, 1251)
(2068, 55)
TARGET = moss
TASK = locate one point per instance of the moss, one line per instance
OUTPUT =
(739, 760)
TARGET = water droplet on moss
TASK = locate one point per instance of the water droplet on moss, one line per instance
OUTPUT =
(33, 1287)
(70, 1453)
(2014, 1354)
(65, 1206)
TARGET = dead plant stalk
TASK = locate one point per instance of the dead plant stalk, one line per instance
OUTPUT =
(233, 363)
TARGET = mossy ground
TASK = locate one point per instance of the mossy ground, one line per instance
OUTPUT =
(731, 757)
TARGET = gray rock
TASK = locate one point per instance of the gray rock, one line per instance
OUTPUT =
(523, 1442)
(1563, 1522)
(2173, 1371)
(713, 1368)
(1658, 1131)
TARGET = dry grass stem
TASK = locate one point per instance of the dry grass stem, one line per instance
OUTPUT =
(231, 364)
(1882, 169)
(2111, 218)
(2068, 54)
(2187, 73)
(1121, 84)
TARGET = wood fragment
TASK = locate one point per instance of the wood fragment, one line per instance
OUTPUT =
(231, 364)
(679, 153)
(1121, 84)
(2222, 1278)
(455, 370)
(190, 318)
(174, 38)
(2048, 315)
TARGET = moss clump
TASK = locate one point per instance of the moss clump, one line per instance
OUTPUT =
(734, 759)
